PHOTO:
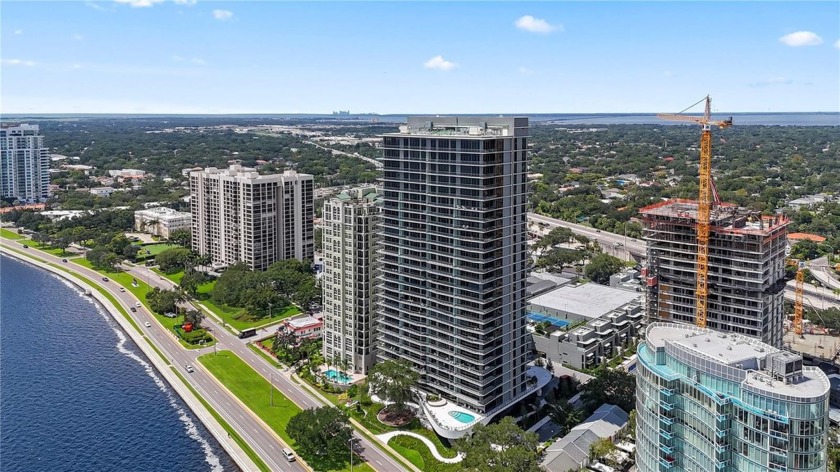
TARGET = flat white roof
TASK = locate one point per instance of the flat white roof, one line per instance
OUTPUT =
(303, 322)
(742, 352)
(589, 300)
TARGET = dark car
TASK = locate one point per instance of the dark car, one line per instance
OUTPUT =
(25, 246)
(133, 309)
(104, 279)
(64, 260)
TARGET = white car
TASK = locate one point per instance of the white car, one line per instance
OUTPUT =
(122, 289)
(138, 304)
(148, 325)
(189, 368)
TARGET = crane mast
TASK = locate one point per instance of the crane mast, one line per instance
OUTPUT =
(800, 296)
(704, 204)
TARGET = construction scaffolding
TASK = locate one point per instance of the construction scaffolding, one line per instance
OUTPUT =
(746, 268)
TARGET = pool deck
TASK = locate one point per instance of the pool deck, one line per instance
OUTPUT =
(354, 378)
(448, 427)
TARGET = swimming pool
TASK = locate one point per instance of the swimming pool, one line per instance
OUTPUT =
(462, 417)
(538, 318)
(337, 377)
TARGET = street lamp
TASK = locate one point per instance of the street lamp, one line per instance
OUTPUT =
(350, 443)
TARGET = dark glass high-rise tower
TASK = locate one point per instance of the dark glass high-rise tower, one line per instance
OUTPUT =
(454, 256)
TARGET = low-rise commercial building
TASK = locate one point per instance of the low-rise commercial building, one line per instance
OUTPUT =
(161, 221)
(304, 327)
(103, 191)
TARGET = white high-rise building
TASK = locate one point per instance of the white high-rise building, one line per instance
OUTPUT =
(351, 225)
(454, 255)
(24, 163)
(240, 215)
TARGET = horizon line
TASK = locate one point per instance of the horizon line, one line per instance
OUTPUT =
(373, 114)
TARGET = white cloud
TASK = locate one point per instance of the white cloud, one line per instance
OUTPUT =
(95, 6)
(526, 71)
(668, 73)
(18, 62)
(185, 2)
(198, 61)
(536, 25)
(18, 31)
(222, 15)
(139, 3)
(837, 44)
(439, 63)
(78, 37)
(801, 38)
(772, 81)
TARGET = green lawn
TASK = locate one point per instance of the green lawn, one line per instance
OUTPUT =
(126, 280)
(9, 234)
(237, 317)
(415, 451)
(253, 391)
(176, 277)
(232, 316)
(369, 420)
(153, 250)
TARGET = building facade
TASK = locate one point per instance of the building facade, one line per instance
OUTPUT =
(714, 401)
(351, 227)
(24, 164)
(161, 221)
(746, 268)
(454, 254)
(239, 215)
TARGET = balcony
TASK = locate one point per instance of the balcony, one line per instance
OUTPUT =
(667, 462)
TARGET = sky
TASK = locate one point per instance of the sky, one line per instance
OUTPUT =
(188, 56)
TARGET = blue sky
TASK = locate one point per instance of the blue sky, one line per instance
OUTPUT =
(186, 56)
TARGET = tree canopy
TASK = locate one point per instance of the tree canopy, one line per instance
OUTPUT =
(320, 432)
(393, 380)
(613, 386)
(501, 446)
(601, 267)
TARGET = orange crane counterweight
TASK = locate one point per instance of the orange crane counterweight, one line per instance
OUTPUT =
(704, 204)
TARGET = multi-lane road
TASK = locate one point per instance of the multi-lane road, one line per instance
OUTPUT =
(280, 378)
(618, 245)
(256, 433)
(634, 249)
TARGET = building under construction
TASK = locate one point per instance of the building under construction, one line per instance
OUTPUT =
(746, 268)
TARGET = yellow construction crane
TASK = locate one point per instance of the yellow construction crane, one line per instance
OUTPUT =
(704, 204)
(800, 295)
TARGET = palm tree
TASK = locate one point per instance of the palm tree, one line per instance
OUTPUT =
(151, 223)
(564, 415)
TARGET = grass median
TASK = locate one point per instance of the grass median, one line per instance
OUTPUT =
(255, 392)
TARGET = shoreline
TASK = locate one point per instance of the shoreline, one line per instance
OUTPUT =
(154, 357)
